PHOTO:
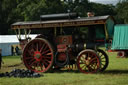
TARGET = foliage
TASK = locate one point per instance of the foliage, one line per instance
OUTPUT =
(122, 12)
(6, 11)
(30, 10)
(101, 9)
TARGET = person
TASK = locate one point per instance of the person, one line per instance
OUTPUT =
(90, 14)
(17, 50)
(12, 50)
(0, 58)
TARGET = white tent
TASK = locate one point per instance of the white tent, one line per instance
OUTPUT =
(6, 41)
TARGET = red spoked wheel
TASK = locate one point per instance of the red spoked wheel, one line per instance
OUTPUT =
(38, 55)
(88, 61)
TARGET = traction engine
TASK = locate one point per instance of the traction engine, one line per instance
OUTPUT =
(61, 43)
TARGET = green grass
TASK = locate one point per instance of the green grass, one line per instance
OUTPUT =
(115, 74)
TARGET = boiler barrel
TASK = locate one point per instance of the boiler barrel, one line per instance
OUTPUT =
(59, 16)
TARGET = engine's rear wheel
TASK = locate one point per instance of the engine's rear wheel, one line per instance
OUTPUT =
(88, 61)
(38, 55)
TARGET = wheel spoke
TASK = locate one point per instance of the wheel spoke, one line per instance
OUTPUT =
(93, 59)
(37, 47)
(33, 63)
(30, 53)
(49, 53)
(42, 47)
(44, 67)
(30, 61)
(47, 61)
(46, 57)
(103, 61)
(41, 66)
(102, 58)
(82, 63)
(33, 47)
(91, 55)
(92, 67)
(83, 58)
(28, 58)
(83, 66)
(45, 52)
(44, 63)
(45, 48)
(101, 55)
(102, 64)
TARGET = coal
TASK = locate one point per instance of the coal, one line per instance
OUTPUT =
(21, 73)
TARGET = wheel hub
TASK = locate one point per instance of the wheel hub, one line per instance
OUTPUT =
(87, 62)
(37, 54)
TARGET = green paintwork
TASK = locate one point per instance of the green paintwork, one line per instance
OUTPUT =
(120, 39)
(110, 27)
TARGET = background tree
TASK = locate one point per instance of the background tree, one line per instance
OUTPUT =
(6, 14)
(30, 10)
(101, 9)
(122, 12)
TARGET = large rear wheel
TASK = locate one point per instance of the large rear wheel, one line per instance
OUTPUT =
(88, 61)
(38, 55)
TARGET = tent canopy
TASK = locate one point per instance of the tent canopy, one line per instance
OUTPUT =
(6, 41)
(13, 38)
(120, 39)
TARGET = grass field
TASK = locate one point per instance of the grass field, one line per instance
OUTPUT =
(115, 74)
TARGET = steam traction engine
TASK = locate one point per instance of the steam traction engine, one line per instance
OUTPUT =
(65, 39)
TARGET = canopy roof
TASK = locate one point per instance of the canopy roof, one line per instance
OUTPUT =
(61, 23)
(120, 39)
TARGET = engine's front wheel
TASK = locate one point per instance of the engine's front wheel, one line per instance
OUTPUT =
(88, 61)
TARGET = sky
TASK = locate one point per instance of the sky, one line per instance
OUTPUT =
(114, 2)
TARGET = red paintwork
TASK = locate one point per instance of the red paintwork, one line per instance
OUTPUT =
(37, 56)
(67, 39)
(99, 40)
(62, 42)
(62, 56)
(61, 48)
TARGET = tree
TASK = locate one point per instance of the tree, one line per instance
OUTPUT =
(30, 10)
(79, 6)
(102, 9)
(5, 13)
(122, 12)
